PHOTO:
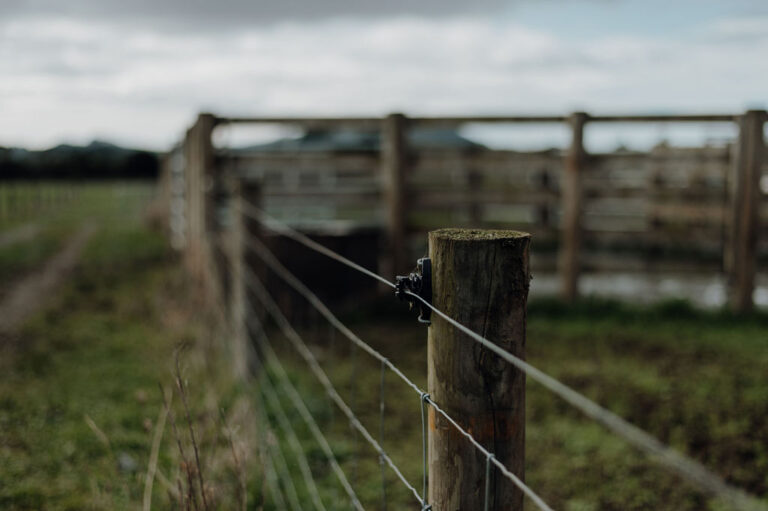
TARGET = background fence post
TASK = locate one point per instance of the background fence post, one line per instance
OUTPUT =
(745, 200)
(245, 193)
(480, 278)
(393, 160)
(569, 260)
(200, 163)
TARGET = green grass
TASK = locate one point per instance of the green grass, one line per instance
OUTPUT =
(22, 202)
(89, 355)
(20, 258)
(80, 397)
(95, 351)
(66, 207)
(695, 380)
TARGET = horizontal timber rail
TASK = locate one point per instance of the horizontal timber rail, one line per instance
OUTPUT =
(364, 123)
(374, 122)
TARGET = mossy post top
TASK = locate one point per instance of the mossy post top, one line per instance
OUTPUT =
(462, 234)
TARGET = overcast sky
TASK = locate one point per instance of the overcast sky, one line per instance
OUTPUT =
(136, 72)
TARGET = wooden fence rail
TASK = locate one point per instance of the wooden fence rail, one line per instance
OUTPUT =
(663, 209)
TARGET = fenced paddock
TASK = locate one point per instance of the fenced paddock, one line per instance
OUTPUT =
(229, 239)
(662, 210)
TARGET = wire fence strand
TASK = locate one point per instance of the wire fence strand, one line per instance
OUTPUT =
(274, 311)
(301, 407)
(269, 392)
(687, 468)
(276, 453)
(690, 470)
(289, 232)
(270, 473)
(269, 258)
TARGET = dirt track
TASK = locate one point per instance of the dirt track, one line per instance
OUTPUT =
(30, 294)
(23, 233)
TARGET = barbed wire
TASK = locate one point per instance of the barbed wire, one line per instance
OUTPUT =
(689, 469)
(269, 258)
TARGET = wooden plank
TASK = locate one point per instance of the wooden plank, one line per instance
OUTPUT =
(309, 162)
(450, 197)
(361, 123)
(364, 193)
(664, 118)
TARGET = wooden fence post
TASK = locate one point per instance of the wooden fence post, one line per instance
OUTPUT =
(569, 260)
(200, 162)
(244, 226)
(393, 160)
(745, 199)
(480, 278)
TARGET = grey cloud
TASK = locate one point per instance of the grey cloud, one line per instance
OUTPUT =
(240, 13)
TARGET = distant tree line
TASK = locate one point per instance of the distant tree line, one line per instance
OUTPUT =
(98, 160)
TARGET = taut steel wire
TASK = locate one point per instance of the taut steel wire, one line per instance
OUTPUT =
(690, 470)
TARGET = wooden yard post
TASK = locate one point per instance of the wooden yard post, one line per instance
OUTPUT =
(200, 162)
(569, 260)
(245, 193)
(480, 278)
(393, 161)
(745, 199)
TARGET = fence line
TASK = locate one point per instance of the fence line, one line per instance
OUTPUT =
(580, 203)
(413, 177)
(268, 391)
(668, 458)
(269, 258)
(309, 420)
(289, 232)
(271, 474)
(279, 465)
(273, 309)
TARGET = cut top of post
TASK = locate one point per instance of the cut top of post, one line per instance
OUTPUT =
(470, 235)
(481, 252)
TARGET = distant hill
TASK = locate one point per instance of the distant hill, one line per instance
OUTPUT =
(97, 160)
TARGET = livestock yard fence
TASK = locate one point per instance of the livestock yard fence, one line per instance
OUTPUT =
(238, 219)
(667, 209)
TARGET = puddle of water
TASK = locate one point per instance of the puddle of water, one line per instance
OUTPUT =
(708, 291)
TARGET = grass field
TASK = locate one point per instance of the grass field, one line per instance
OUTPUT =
(53, 213)
(80, 402)
(694, 380)
(22, 202)
(80, 394)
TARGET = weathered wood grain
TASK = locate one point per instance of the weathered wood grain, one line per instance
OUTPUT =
(480, 278)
